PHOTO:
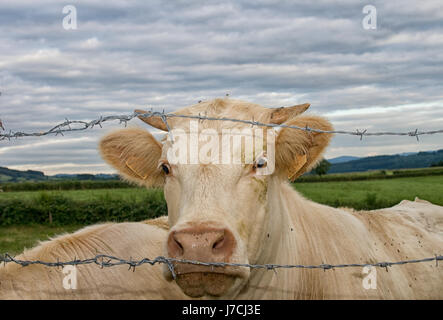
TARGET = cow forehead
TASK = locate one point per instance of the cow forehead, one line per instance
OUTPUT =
(230, 142)
(220, 108)
(209, 174)
(227, 108)
(208, 146)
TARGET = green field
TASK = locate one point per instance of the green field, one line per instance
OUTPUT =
(335, 193)
(114, 204)
(126, 194)
(14, 239)
(373, 194)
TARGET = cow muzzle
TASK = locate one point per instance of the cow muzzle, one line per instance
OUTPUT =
(203, 244)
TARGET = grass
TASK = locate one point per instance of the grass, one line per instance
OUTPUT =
(15, 239)
(81, 195)
(372, 194)
(335, 193)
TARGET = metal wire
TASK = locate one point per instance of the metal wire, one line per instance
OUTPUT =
(104, 260)
(83, 125)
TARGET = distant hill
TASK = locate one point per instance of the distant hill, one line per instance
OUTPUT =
(10, 175)
(85, 176)
(407, 153)
(404, 161)
(342, 159)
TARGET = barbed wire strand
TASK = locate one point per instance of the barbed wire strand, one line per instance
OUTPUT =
(104, 260)
(84, 125)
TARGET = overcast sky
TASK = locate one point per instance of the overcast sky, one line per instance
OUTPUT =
(168, 54)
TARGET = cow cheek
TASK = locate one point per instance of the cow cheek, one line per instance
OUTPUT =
(257, 233)
(243, 230)
(172, 192)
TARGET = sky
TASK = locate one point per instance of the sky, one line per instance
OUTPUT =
(126, 55)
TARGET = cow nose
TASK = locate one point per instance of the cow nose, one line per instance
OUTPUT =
(201, 244)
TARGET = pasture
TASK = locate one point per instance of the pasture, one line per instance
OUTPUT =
(14, 239)
(374, 194)
(132, 204)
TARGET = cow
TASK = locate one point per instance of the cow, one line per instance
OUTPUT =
(239, 213)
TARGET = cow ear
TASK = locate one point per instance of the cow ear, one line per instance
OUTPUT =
(298, 151)
(135, 154)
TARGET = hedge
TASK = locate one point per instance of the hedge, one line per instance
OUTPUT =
(64, 185)
(60, 210)
(372, 175)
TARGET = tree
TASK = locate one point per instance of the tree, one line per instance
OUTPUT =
(437, 164)
(323, 167)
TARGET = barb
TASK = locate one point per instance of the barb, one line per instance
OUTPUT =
(104, 260)
(78, 125)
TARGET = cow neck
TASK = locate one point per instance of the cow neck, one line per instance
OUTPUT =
(278, 244)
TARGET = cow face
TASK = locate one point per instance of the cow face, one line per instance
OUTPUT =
(219, 209)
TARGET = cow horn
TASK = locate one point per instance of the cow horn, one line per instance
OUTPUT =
(281, 115)
(154, 121)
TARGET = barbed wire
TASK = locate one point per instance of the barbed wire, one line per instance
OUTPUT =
(84, 125)
(104, 260)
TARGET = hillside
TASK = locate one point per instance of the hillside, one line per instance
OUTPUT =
(10, 175)
(415, 160)
(342, 159)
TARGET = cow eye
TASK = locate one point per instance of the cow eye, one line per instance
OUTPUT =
(261, 163)
(166, 168)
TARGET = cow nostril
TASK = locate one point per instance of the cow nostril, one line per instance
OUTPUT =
(219, 243)
(178, 245)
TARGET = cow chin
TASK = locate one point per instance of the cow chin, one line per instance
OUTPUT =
(199, 284)
(199, 281)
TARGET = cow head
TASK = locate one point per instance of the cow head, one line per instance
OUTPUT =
(218, 211)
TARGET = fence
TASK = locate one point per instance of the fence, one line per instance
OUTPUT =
(109, 261)
(83, 125)
(103, 260)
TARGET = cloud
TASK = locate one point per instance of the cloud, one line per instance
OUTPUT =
(30, 146)
(166, 55)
